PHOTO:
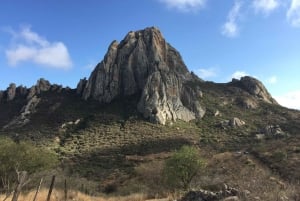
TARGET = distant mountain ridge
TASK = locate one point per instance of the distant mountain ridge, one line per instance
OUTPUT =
(145, 65)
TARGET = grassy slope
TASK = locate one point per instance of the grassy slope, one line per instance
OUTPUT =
(101, 146)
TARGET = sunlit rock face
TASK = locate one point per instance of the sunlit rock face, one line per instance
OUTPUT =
(144, 63)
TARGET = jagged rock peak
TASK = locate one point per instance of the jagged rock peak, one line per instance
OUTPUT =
(12, 92)
(255, 88)
(144, 63)
(41, 85)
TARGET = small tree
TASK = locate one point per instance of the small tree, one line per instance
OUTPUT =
(23, 156)
(182, 167)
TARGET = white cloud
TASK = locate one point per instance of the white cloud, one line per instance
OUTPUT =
(184, 5)
(30, 46)
(32, 37)
(293, 14)
(265, 6)
(290, 99)
(272, 80)
(206, 73)
(239, 74)
(230, 28)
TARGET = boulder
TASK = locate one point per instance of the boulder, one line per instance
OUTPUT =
(273, 131)
(236, 122)
(204, 195)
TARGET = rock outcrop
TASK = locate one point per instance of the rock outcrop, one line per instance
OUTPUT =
(228, 193)
(80, 86)
(1, 95)
(42, 85)
(246, 102)
(234, 122)
(145, 64)
(255, 88)
(25, 113)
(273, 131)
(11, 92)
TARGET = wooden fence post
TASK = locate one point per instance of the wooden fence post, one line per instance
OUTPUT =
(66, 190)
(51, 188)
(38, 189)
(22, 181)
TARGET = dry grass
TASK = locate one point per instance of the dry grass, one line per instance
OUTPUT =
(252, 178)
(58, 195)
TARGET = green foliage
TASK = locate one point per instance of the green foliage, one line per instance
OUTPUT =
(23, 156)
(279, 155)
(182, 167)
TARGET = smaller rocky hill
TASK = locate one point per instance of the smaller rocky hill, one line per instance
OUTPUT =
(255, 88)
(21, 103)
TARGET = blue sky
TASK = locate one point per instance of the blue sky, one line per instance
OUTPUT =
(62, 40)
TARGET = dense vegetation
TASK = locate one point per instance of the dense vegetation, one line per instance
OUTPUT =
(22, 156)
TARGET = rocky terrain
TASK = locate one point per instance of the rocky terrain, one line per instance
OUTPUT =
(139, 104)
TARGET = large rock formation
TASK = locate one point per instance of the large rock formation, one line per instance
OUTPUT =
(145, 64)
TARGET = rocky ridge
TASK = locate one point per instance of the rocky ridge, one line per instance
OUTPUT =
(31, 97)
(145, 66)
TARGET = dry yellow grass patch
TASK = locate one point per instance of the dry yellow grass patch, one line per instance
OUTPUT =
(58, 195)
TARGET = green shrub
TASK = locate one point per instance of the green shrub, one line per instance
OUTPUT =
(279, 155)
(182, 167)
(23, 156)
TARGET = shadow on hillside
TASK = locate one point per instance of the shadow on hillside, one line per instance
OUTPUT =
(108, 162)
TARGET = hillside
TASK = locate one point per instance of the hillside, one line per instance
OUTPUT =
(139, 105)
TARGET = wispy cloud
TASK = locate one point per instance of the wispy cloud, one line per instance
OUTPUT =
(230, 28)
(184, 5)
(30, 46)
(205, 73)
(272, 80)
(290, 99)
(265, 6)
(293, 14)
(239, 74)
(90, 66)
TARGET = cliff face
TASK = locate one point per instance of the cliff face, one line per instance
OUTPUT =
(144, 63)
